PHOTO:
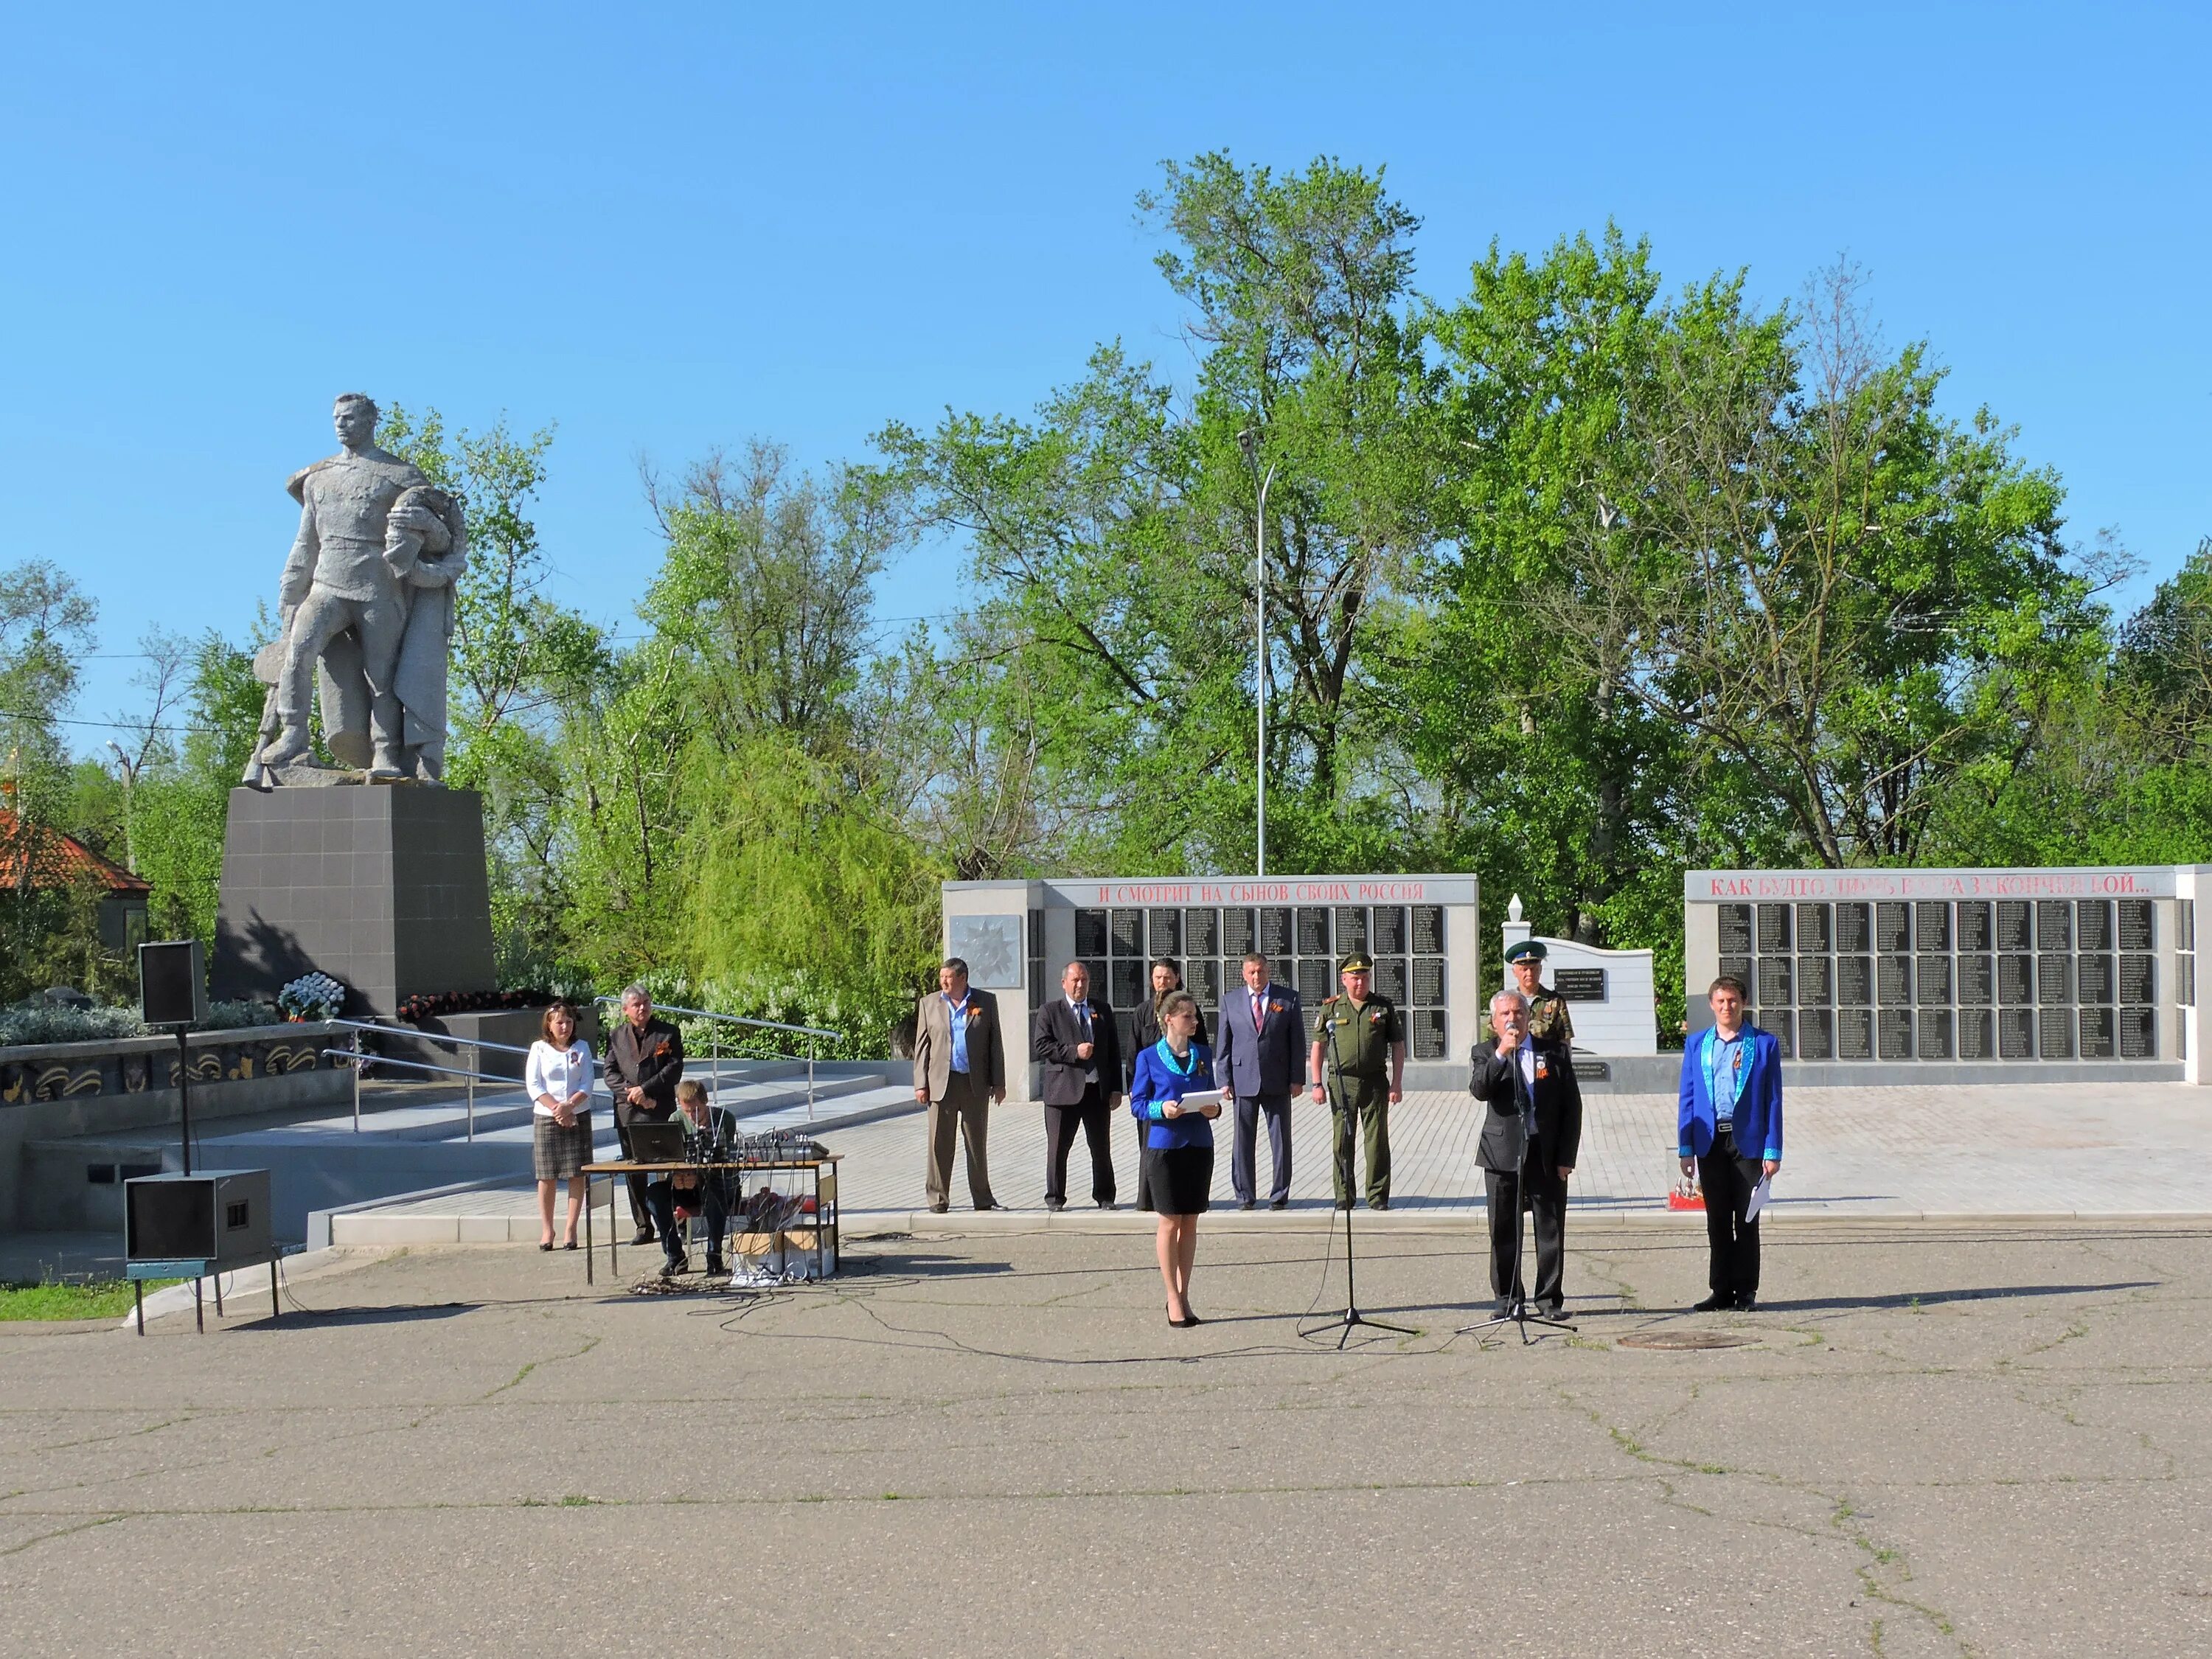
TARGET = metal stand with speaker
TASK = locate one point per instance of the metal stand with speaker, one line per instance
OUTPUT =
(187, 1225)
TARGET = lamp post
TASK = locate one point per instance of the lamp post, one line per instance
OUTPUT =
(129, 837)
(1249, 441)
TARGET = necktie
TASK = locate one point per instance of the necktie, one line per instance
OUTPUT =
(1258, 1016)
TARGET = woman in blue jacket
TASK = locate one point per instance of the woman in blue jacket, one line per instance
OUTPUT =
(1731, 1135)
(1178, 1143)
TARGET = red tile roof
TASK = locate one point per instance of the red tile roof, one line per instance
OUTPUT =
(55, 857)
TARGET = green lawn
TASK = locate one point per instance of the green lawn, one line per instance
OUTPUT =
(108, 1298)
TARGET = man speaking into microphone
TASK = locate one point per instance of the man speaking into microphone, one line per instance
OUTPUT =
(1531, 1136)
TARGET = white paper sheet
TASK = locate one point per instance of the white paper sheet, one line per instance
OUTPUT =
(1759, 1194)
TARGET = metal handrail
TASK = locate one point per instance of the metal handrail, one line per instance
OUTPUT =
(715, 1053)
(428, 1036)
(358, 1056)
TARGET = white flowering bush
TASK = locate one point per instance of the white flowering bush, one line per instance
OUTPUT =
(311, 996)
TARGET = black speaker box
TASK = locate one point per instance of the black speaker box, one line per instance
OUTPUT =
(171, 983)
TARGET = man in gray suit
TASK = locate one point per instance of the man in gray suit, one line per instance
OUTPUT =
(1532, 1133)
(959, 1074)
(1261, 1059)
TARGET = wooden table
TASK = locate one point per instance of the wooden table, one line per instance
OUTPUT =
(823, 1169)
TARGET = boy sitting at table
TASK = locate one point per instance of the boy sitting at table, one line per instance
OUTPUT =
(700, 1192)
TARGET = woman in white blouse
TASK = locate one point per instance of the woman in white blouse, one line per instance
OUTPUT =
(558, 1075)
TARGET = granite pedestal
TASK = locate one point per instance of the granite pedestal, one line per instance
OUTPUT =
(382, 887)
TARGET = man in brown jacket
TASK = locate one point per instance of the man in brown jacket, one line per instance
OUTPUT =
(960, 1071)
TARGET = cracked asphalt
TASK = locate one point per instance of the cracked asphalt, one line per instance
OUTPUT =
(1936, 1440)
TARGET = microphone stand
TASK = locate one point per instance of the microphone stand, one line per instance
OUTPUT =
(1517, 1313)
(1351, 1318)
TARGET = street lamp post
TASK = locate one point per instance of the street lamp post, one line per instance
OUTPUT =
(130, 829)
(1249, 440)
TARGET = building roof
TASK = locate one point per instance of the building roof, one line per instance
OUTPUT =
(55, 857)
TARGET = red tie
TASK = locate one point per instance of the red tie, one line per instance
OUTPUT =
(1257, 1017)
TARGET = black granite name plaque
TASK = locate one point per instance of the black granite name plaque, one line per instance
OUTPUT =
(1428, 981)
(1854, 927)
(1201, 932)
(1816, 1034)
(1974, 925)
(2097, 1034)
(2138, 1033)
(1428, 921)
(1932, 1033)
(2138, 980)
(1277, 933)
(1091, 934)
(1734, 921)
(1313, 932)
(1895, 1029)
(1126, 932)
(2094, 980)
(1854, 982)
(2054, 980)
(1128, 986)
(2015, 929)
(1816, 982)
(1781, 1025)
(1892, 928)
(1893, 981)
(2015, 1034)
(1237, 933)
(1934, 974)
(1976, 1041)
(1163, 932)
(1815, 929)
(1351, 929)
(1425, 1034)
(2185, 978)
(1774, 982)
(1204, 981)
(1854, 1034)
(2016, 980)
(1931, 926)
(1977, 981)
(2092, 927)
(2137, 929)
(2055, 1033)
(2054, 925)
(1579, 984)
(1390, 979)
(1773, 927)
(1388, 937)
(1736, 968)
(1316, 979)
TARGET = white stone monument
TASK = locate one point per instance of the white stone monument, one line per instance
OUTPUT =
(1611, 995)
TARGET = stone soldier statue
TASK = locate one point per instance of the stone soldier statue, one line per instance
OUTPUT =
(365, 604)
(1548, 1020)
(1358, 1066)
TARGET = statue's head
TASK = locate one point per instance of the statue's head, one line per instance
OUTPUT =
(354, 417)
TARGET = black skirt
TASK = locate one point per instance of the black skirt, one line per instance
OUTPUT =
(559, 1154)
(1180, 1179)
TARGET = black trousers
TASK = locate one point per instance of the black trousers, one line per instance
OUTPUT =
(711, 1198)
(1060, 1123)
(1727, 1178)
(1242, 1154)
(1548, 1204)
(1143, 1168)
(641, 1211)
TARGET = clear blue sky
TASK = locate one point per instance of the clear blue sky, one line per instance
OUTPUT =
(671, 228)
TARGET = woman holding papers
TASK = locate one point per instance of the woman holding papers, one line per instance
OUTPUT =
(1731, 1135)
(1172, 1093)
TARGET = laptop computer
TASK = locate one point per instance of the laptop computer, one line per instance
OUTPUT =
(657, 1143)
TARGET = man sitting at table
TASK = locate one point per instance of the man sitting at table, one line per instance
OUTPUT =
(683, 1193)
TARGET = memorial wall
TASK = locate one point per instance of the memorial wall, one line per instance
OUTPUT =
(2092, 971)
(1422, 931)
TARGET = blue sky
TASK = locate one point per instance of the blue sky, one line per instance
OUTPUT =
(672, 227)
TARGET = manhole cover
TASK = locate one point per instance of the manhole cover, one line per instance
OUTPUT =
(1680, 1339)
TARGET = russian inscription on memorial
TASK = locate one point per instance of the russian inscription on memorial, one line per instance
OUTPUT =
(1313, 932)
(1934, 1035)
(1737, 968)
(1277, 933)
(1127, 929)
(2016, 980)
(1428, 981)
(2013, 933)
(2136, 928)
(2138, 980)
(1734, 922)
(1931, 927)
(1389, 930)
(2097, 1034)
(1896, 1030)
(1854, 1034)
(1237, 932)
(1977, 983)
(1201, 932)
(2015, 1034)
(1974, 1041)
(2092, 922)
(2093, 979)
(1351, 929)
(1390, 978)
(2054, 980)
(2055, 1033)
(1816, 1034)
(1579, 984)
(1774, 982)
(1091, 934)
(1854, 982)
(1935, 977)
(2138, 1033)
(1894, 977)
(1426, 1034)
(1163, 932)
(2054, 927)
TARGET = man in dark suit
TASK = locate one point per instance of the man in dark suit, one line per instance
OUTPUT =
(644, 1063)
(1533, 1128)
(1261, 1059)
(959, 1074)
(1076, 1041)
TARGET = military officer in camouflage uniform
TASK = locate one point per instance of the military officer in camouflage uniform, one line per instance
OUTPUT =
(1548, 1021)
(1358, 1066)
